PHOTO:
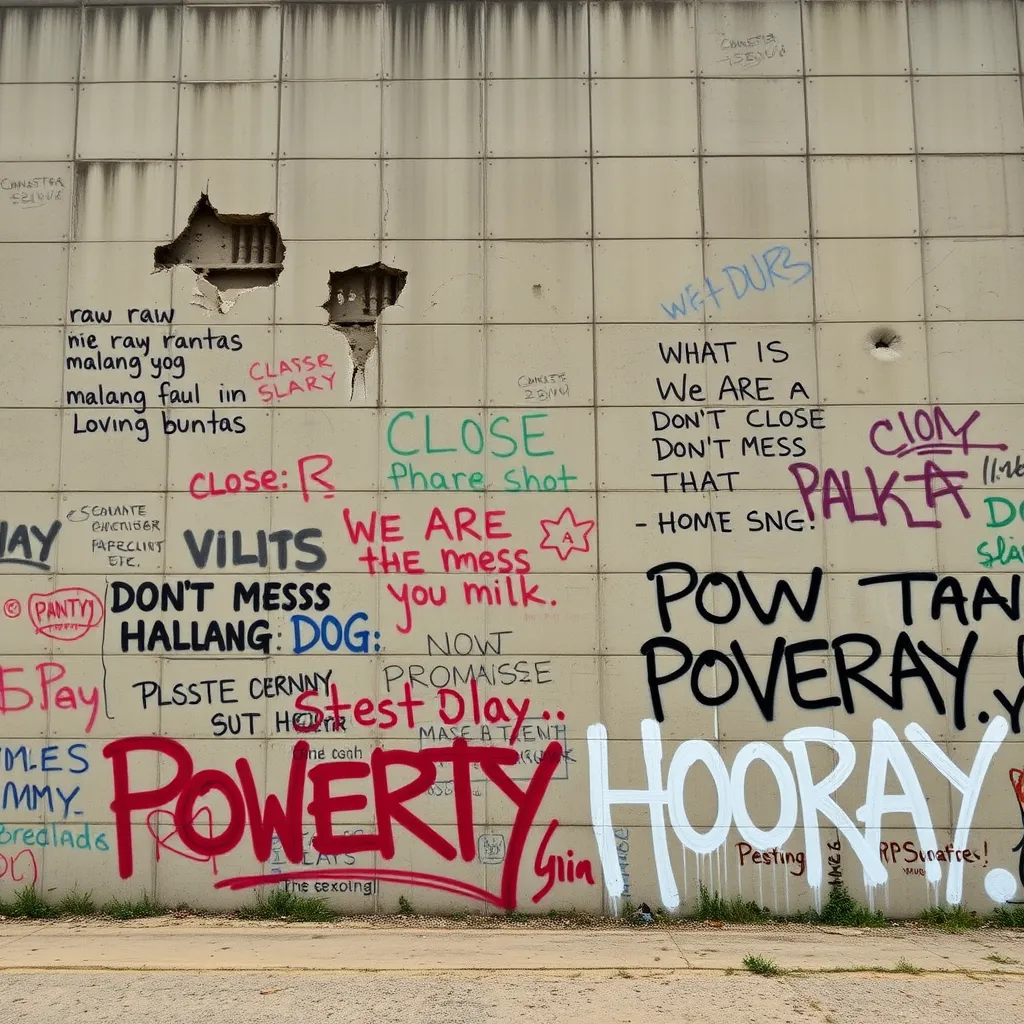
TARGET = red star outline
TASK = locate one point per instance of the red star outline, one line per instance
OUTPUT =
(558, 528)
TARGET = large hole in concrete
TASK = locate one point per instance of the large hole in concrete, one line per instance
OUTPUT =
(355, 300)
(885, 344)
(229, 252)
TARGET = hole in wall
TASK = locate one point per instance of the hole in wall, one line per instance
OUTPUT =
(230, 253)
(355, 300)
(885, 344)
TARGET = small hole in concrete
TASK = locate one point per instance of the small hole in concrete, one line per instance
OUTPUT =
(885, 344)
(355, 300)
(231, 252)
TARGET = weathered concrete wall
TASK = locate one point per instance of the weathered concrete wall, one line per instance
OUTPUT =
(567, 456)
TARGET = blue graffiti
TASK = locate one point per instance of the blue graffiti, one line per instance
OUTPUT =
(772, 268)
(333, 634)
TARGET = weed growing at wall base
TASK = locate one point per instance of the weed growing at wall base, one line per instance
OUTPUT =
(952, 919)
(842, 909)
(76, 904)
(28, 903)
(1009, 916)
(713, 907)
(282, 905)
(128, 910)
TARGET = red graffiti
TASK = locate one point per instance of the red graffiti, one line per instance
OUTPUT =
(65, 614)
(20, 867)
(1017, 781)
(556, 868)
(391, 800)
(14, 698)
(162, 819)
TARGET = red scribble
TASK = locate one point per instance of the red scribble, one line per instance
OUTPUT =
(556, 868)
(9, 864)
(418, 878)
(565, 535)
(65, 614)
(311, 472)
(1017, 781)
(390, 800)
(167, 842)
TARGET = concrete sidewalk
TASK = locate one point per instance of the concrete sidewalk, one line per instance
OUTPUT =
(220, 971)
(164, 944)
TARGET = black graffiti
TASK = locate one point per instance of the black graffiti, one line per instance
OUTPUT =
(949, 592)
(862, 666)
(736, 591)
(216, 542)
(18, 544)
(854, 655)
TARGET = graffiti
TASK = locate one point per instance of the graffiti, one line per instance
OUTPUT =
(926, 432)
(23, 544)
(286, 377)
(65, 614)
(893, 496)
(1002, 512)
(19, 868)
(742, 509)
(205, 485)
(503, 437)
(245, 811)
(555, 868)
(716, 677)
(511, 588)
(565, 535)
(801, 797)
(1017, 781)
(160, 824)
(764, 272)
(42, 693)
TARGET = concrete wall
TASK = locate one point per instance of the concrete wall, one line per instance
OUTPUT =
(663, 527)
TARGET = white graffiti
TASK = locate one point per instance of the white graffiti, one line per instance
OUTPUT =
(801, 797)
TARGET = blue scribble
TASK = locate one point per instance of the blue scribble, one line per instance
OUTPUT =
(773, 268)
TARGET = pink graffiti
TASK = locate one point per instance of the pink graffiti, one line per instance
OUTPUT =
(926, 431)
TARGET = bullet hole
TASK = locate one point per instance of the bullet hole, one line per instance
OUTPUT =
(885, 344)
(229, 253)
(355, 300)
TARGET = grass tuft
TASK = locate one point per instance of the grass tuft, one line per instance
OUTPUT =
(76, 904)
(761, 965)
(952, 919)
(905, 967)
(997, 959)
(713, 907)
(1009, 917)
(405, 907)
(129, 910)
(842, 909)
(28, 903)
